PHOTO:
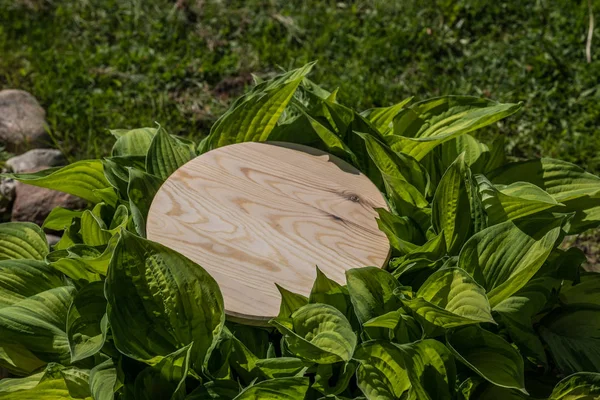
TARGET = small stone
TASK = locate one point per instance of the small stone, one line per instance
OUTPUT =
(34, 159)
(22, 121)
(52, 239)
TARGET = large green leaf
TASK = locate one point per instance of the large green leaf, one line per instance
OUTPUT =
(333, 379)
(87, 324)
(580, 386)
(166, 154)
(253, 117)
(449, 211)
(573, 338)
(103, 379)
(514, 201)
(281, 367)
(451, 298)
(38, 323)
(402, 232)
(403, 328)
(22, 240)
(372, 292)
(517, 312)
(141, 191)
(424, 125)
(135, 142)
(431, 370)
(319, 333)
(82, 178)
(382, 374)
(290, 302)
(159, 301)
(503, 257)
(166, 380)
(489, 355)
(586, 293)
(56, 382)
(60, 218)
(476, 154)
(330, 292)
(276, 389)
(382, 117)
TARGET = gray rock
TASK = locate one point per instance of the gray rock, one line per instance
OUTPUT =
(34, 159)
(22, 121)
(52, 239)
(7, 196)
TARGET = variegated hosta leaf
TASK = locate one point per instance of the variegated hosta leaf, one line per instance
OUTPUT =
(276, 389)
(503, 257)
(319, 333)
(582, 385)
(451, 298)
(155, 290)
(372, 292)
(431, 370)
(382, 117)
(103, 379)
(449, 211)
(84, 179)
(253, 117)
(382, 373)
(166, 380)
(87, 324)
(424, 125)
(488, 355)
(514, 201)
(60, 218)
(134, 142)
(166, 154)
(22, 240)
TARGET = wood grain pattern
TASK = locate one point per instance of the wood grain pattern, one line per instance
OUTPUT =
(256, 214)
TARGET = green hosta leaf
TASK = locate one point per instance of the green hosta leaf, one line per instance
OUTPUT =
(60, 218)
(451, 298)
(166, 154)
(372, 292)
(382, 373)
(424, 256)
(424, 125)
(431, 370)
(103, 379)
(573, 338)
(497, 155)
(580, 386)
(253, 117)
(404, 235)
(20, 279)
(141, 191)
(281, 367)
(16, 359)
(330, 292)
(489, 355)
(87, 324)
(318, 333)
(155, 290)
(38, 323)
(517, 312)
(382, 117)
(22, 240)
(404, 328)
(584, 294)
(475, 153)
(82, 178)
(397, 165)
(276, 389)
(450, 205)
(503, 257)
(116, 170)
(56, 382)
(166, 380)
(135, 142)
(332, 379)
(243, 360)
(290, 302)
(514, 201)
(93, 229)
(256, 339)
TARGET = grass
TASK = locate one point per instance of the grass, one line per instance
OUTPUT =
(116, 64)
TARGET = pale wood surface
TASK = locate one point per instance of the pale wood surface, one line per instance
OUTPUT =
(256, 214)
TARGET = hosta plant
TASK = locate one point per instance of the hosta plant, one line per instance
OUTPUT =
(479, 301)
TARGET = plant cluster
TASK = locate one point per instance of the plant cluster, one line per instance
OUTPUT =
(478, 300)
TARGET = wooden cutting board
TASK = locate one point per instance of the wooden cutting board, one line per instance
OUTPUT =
(259, 214)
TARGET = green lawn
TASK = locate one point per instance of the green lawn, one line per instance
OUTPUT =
(116, 64)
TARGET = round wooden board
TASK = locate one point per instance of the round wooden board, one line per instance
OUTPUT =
(256, 214)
